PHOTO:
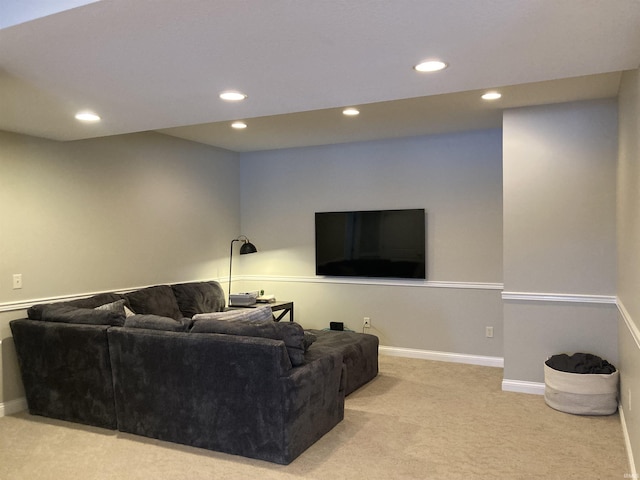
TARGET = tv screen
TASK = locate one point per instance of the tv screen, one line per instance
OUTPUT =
(371, 243)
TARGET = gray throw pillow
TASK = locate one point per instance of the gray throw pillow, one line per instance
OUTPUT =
(258, 314)
(117, 306)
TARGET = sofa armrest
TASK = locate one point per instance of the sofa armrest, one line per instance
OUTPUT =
(214, 391)
(66, 371)
(313, 397)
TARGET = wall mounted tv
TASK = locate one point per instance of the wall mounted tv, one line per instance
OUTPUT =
(371, 243)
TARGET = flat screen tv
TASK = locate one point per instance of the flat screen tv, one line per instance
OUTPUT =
(371, 243)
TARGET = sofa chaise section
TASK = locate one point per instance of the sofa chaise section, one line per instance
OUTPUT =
(359, 352)
(229, 393)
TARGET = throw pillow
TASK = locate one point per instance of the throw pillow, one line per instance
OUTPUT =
(95, 300)
(258, 314)
(117, 306)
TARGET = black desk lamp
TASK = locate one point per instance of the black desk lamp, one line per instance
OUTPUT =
(246, 248)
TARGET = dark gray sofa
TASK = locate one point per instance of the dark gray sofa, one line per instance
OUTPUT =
(247, 388)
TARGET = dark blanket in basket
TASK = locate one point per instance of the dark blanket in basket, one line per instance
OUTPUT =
(580, 363)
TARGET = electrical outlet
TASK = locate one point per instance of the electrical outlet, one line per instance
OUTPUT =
(17, 281)
(488, 331)
(366, 322)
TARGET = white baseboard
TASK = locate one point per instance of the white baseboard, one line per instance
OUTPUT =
(522, 386)
(13, 406)
(443, 356)
(627, 443)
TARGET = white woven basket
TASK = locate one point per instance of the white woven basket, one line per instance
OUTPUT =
(581, 393)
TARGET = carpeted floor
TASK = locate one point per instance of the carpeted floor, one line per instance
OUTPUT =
(417, 420)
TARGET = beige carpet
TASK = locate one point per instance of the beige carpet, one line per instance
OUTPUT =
(417, 420)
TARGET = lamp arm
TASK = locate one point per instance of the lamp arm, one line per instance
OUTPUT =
(246, 243)
(230, 261)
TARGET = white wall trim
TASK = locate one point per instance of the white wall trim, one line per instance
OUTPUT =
(24, 304)
(633, 473)
(443, 356)
(13, 406)
(373, 281)
(522, 296)
(633, 329)
(559, 297)
(521, 386)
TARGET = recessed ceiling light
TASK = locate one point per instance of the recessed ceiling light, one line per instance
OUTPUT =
(430, 66)
(239, 125)
(351, 111)
(87, 117)
(491, 96)
(232, 96)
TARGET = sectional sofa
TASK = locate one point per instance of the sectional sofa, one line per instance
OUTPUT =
(168, 362)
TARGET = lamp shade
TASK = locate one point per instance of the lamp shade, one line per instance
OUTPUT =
(248, 247)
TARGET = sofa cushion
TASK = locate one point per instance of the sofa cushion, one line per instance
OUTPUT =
(88, 316)
(359, 354)
(156, 300)
(259, 314)
(156, 322)
(199, 297)
(35, 311)
(290, 332)
(308, 340)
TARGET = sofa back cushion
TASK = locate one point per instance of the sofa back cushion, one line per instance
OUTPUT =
(87, 316)
(35, 312)
(156, 322)
(290, 332)
(199, 297)
(156, 300)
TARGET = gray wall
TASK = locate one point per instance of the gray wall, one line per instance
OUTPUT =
(108, 214)
(629, 253)
(559, 167)
(457, 178)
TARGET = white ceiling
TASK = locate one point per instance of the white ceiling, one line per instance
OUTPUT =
(160, 65)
